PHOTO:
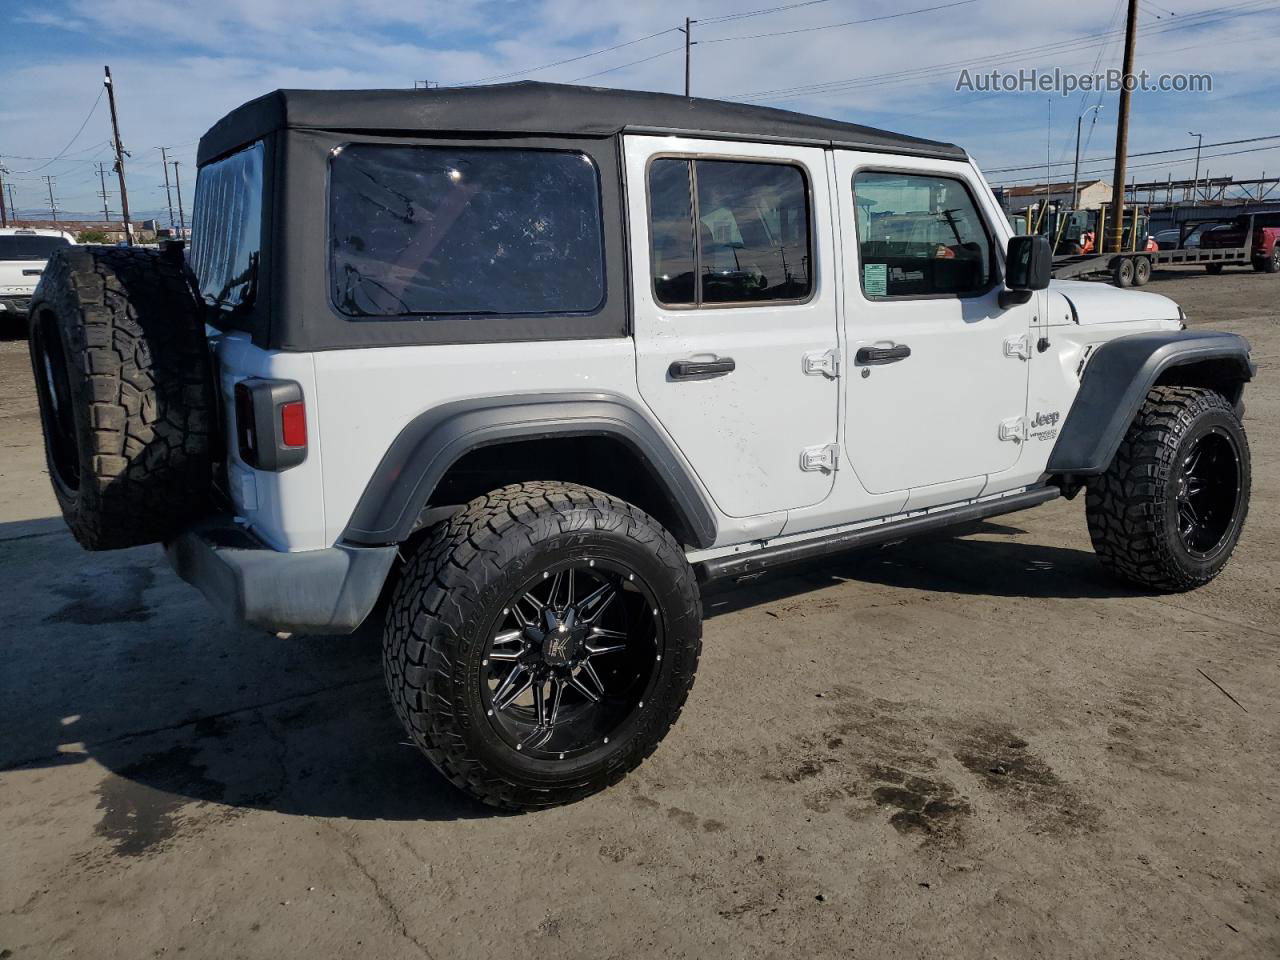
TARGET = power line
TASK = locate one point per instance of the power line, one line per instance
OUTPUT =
(1148, 153)
(71, 143)
(760, 13)
(1158, 163)
(846, 23)
(623, 66)
(558, 63)
(1205, 18)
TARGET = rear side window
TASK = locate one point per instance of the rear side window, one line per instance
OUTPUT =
(748, 243)
(464, 231)
(226, 234)
(15, 247)
(920, 236)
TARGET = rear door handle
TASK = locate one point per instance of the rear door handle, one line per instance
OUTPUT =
(872, 356)
(701, 369)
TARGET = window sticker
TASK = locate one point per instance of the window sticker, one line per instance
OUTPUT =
(875, 279)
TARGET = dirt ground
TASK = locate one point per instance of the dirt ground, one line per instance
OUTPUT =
(976, 747)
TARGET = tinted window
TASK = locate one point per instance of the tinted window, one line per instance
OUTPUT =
(226, 228)
(29, 248)
(749, 241)
(920, 236)
(673, 261)
(450, 230)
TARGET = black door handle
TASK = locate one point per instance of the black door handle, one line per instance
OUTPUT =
(701, 369)
(870, 356)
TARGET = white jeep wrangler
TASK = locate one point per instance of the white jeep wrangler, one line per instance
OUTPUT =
(523, 368)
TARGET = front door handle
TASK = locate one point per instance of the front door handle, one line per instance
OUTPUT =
(701, 369)
(872, 356)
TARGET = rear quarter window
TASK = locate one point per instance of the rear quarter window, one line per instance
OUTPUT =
(226, 238)
(417, 231)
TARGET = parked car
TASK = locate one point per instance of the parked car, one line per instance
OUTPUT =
(524, 370)
(1265, 253)
(23, 252)
(1169, 239)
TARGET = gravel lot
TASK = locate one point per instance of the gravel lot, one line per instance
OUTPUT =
(975, 747)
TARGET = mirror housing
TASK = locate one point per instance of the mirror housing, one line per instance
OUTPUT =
(1028, 266)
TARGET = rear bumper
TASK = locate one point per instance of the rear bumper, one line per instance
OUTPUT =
(315, 591)
(12, 305)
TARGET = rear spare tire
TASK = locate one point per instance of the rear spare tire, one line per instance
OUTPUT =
(126, 394)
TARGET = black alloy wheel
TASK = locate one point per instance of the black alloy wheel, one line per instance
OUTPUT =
(1207, 492)
(573, 656)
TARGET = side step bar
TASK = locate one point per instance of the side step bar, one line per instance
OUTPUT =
(741, 566)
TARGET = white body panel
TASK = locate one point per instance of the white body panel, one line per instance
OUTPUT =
(743, 432)
(917, 435)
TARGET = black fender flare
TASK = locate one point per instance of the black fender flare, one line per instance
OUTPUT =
(1115, 384)
(433, 441)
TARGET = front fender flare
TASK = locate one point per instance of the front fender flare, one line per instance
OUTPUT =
(430, 444)
(1116, 382)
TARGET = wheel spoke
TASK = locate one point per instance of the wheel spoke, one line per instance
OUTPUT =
(508, 636)
(508, 690)
(540, 702)
(581, 688)
(557, 691)
(590, 671)
(505, 656)
(600, 606)
(599, 633)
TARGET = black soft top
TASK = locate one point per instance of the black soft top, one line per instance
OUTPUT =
(543, 109)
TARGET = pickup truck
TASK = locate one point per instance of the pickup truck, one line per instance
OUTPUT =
(1265, 246)
(23, 252)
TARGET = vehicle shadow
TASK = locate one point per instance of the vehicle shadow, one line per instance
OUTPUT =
(109, 657)
(956, 563)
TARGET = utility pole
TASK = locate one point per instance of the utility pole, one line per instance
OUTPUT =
(688, 44)
(177, 183)
(53, 205)
(4, 213)
(102, 179)
(120, 155)
(164, 163)
(13, 206)
(1122, 131)
(1195, 190)
(1075, 177)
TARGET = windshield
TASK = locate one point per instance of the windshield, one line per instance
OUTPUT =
(29, 248)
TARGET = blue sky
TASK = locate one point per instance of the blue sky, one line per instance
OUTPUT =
(180, 64)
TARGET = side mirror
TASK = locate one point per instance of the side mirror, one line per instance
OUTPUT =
(1028, 265)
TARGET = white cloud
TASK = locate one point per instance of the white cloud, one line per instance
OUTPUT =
(181, 64)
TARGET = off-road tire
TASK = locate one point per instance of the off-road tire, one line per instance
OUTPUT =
(1131, 508)
(1269, 264)
(118, 334)
(1214, 269)
(454, 583)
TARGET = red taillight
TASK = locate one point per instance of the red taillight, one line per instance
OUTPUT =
(293, 424)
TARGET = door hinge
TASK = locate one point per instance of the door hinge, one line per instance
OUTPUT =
(825, 458)
(826, 363)
(1018, 347)
(1015, 428)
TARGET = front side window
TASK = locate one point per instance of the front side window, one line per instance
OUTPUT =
(461, 231)
(747, 242)
(920, 236)
(226, 235)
